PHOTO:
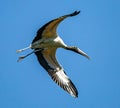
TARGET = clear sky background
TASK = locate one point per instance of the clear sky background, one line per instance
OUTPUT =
(96, 30)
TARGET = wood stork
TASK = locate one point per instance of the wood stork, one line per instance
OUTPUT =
(45, 44)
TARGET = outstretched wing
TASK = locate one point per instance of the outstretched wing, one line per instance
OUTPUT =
(48, 60)
(49, 29)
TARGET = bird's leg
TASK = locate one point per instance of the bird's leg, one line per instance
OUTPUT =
(22, 57)
(21, 50)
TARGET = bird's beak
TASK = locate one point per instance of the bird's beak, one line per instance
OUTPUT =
(82, 53)
(77, 50)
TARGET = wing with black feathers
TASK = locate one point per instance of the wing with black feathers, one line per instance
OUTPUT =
(48, 60)
(49, 29)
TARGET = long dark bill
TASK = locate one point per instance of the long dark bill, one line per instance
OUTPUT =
(77, 50)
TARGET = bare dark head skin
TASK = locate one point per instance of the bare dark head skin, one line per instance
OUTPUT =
(77, 50)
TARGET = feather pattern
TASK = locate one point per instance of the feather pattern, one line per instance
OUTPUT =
(49, 28)
(48, 60)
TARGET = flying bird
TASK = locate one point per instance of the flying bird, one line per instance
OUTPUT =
(45, 44)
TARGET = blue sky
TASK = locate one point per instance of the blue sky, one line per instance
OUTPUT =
(96, 30)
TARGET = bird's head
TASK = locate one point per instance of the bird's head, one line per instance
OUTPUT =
(77, 50)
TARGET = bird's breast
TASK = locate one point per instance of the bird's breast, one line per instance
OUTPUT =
(48, 43)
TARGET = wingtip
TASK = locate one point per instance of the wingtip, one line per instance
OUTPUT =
(85, 55)
(75, 13)
(74, 91)
(64, 82)
(74, 95)
(88, 57)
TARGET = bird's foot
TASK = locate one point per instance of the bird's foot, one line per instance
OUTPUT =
(20, 58)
